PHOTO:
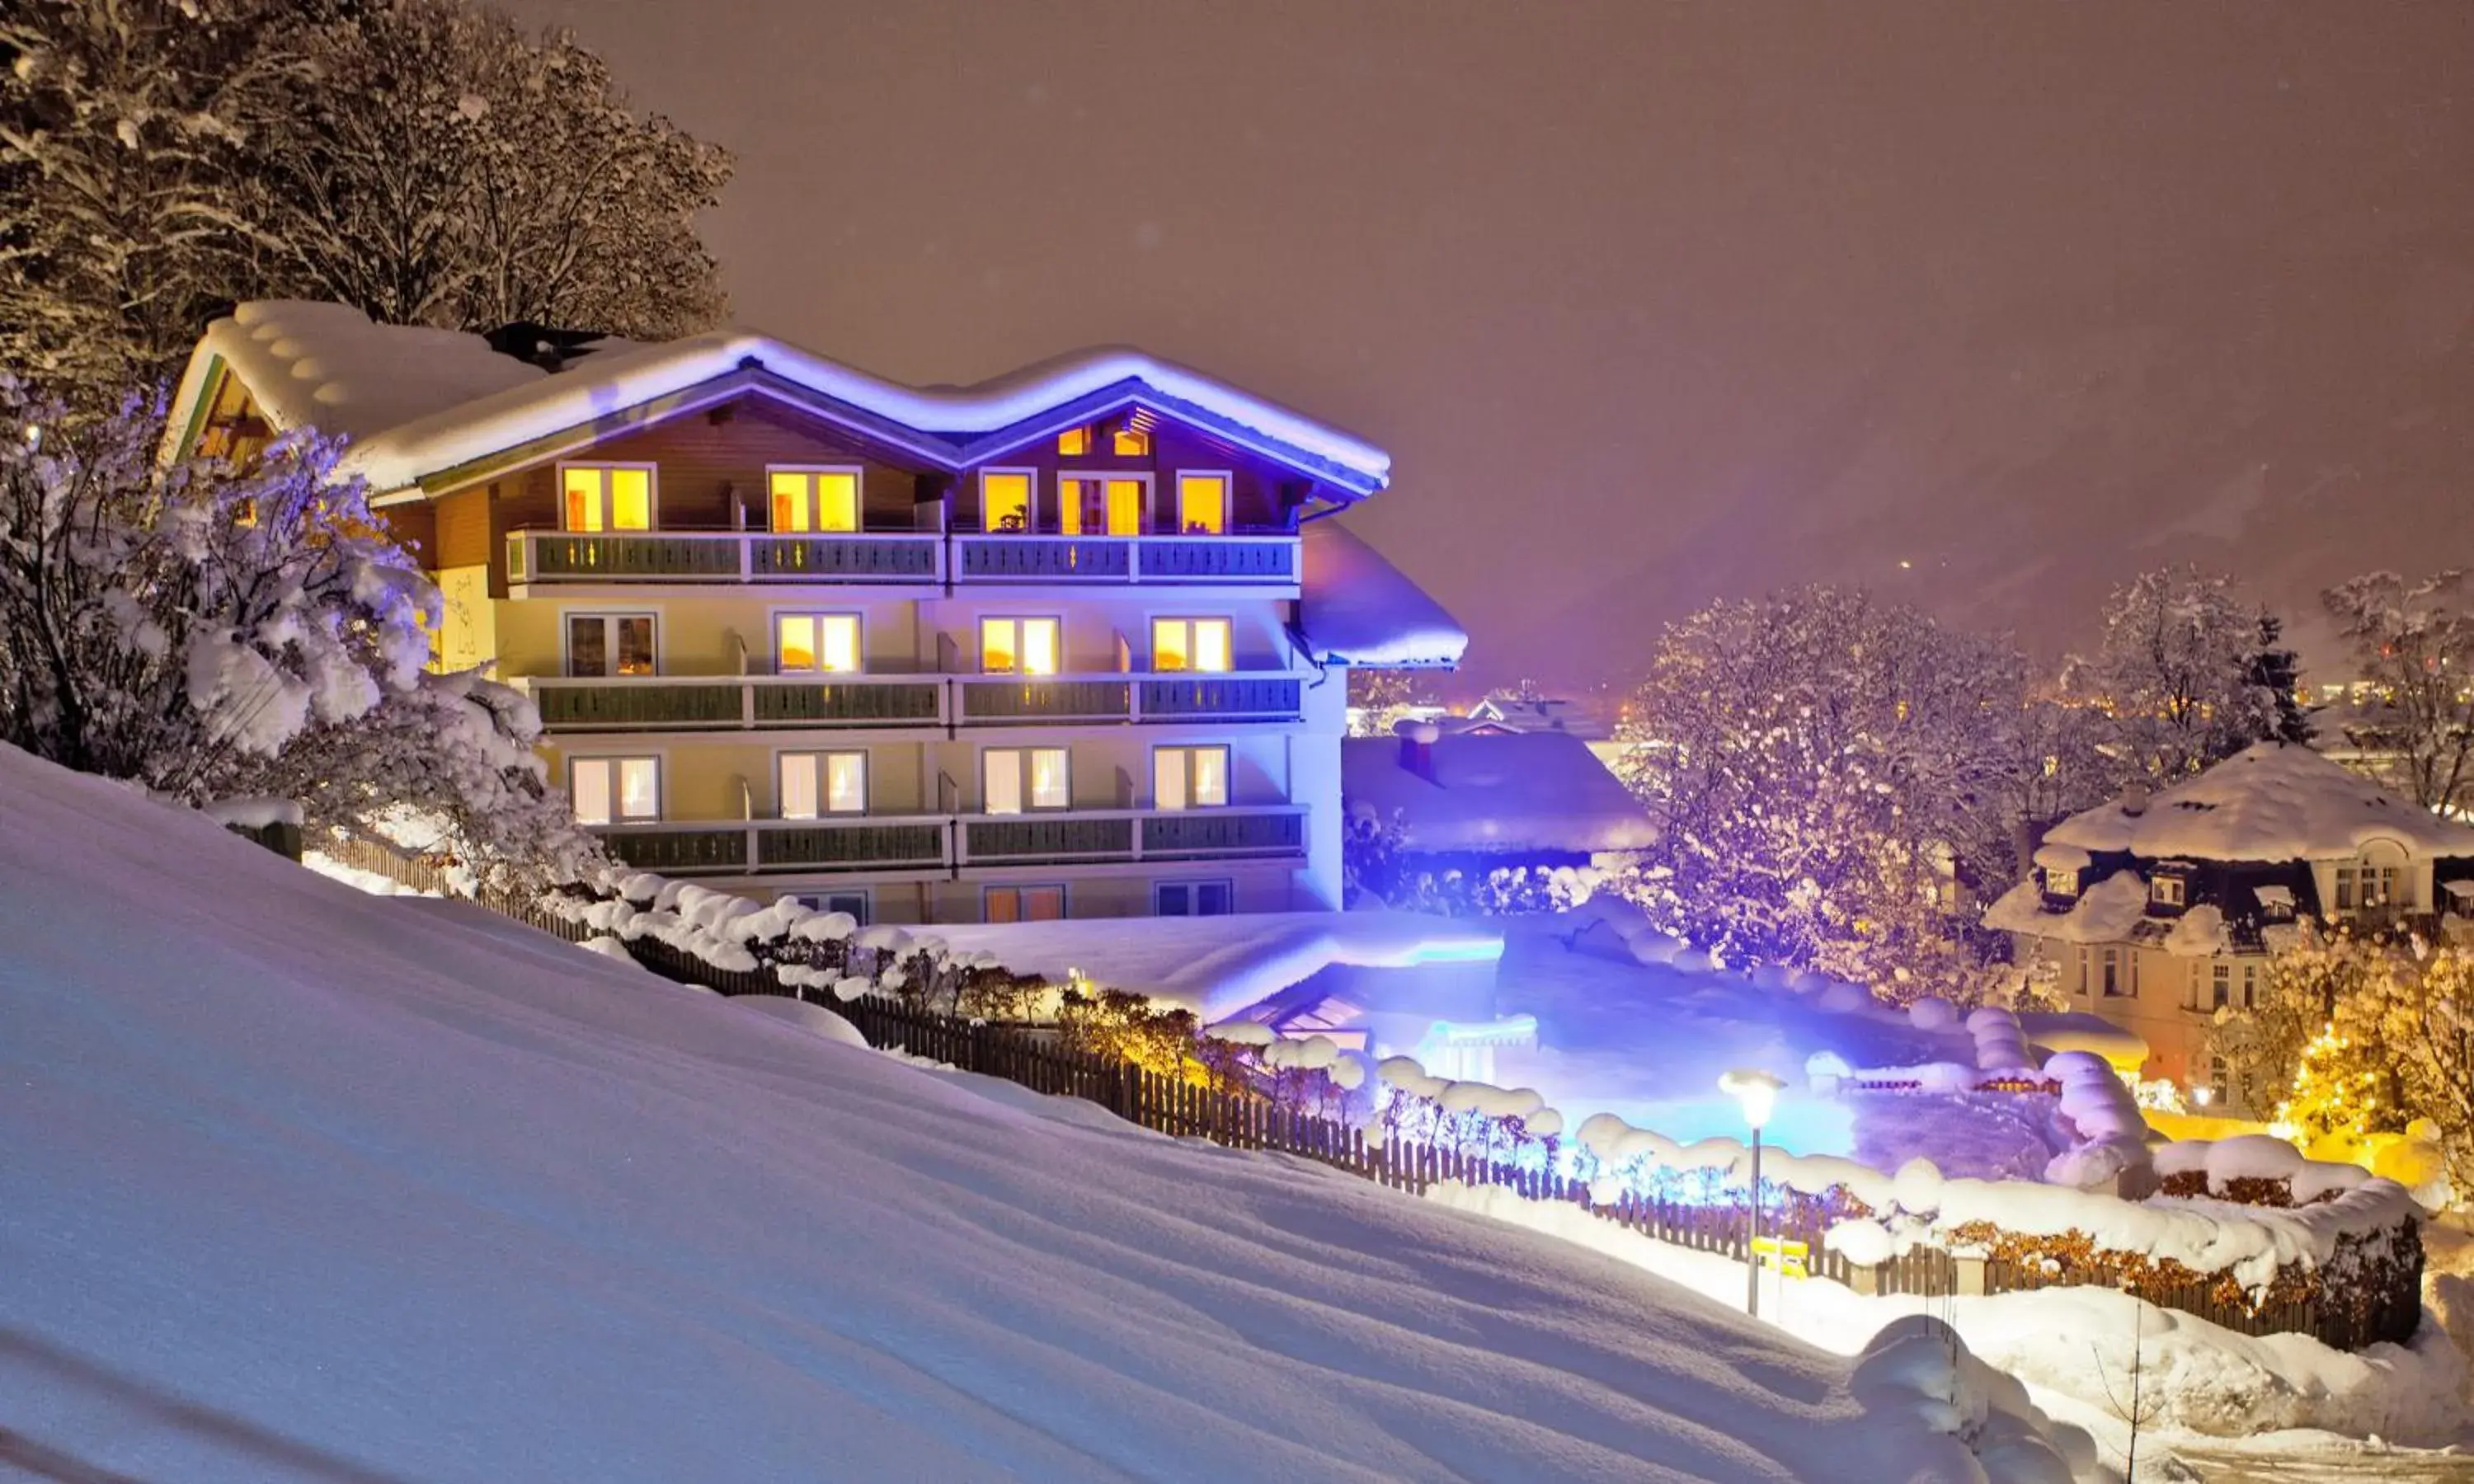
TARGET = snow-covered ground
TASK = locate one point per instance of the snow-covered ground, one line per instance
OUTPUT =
(306, 1183)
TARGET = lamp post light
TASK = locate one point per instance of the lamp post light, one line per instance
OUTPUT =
(1758, 1091)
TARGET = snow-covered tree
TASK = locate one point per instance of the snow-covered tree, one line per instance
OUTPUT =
(438, 165)
(2413, 643)
(164, 623)
(123, 127)
(1824, 769)
(426, 162)
(1379, 698)
(2183, 673)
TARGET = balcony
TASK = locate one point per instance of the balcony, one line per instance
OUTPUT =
(1118, 697)
(654, 703)
(894, 556)
(1244, 560)
(866, 843)
(941, 842)
(1233, 833)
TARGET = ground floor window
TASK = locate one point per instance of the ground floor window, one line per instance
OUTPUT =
(615, 790)
(1193, 899)
(852, 901)
(1022, 903)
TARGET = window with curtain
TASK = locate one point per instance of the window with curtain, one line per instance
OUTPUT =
(1203, 504)
(816, 643)
(1189, 777)
(1005, 500)
(815, 784)
(1018, 646)
(603, 645)
(815, 499)
(1015, 780)
(608, 497)
(1022, 904)
(1190, 644)
(1100, 504)
(615, 790)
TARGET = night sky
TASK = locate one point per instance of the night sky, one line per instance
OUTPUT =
(1654, 301)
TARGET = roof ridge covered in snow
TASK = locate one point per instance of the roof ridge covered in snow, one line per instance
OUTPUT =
(2272, 802)
(1500, 792)
(418, 401)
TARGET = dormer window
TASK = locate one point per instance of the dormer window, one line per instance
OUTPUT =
(2169, 891)
(2059, 882)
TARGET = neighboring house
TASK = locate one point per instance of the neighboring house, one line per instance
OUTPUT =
(2157, 910)
(1482, 799)
(1070, 642)
(1509, 712)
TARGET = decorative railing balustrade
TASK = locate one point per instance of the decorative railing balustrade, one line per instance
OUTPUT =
(916, 558)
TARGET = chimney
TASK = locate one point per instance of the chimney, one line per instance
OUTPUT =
(1418, 746)
(2134, 799)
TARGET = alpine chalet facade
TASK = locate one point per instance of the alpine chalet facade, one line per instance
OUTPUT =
(1073, 642)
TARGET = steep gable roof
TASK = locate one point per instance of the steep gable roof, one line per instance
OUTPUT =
(1358, 609)
(419, 403)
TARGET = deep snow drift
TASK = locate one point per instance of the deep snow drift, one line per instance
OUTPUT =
(303, 1184)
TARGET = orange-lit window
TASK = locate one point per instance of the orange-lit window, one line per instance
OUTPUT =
(1190, 644)
(1024, 903)
(1018, 646)
(1093, 505)
(608, 497)
(815, 642)
(1005, 500)
(1073, 443)
(815, 499)
(1203, 504)
(1131, 441)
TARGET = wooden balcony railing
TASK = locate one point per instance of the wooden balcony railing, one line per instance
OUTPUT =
(741, 702)
(941, 842)
(654, 703)
(724, 556)
(897, 557)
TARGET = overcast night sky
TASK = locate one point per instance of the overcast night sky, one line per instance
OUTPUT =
(1654, 301)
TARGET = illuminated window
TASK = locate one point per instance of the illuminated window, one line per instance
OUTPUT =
(809, 643)
(1190, 644)
(2060, 882)
(1013, 779)
(602, 645)
(1131, 441)
(1203, 504)
(608, 497)
(1194, 898)
(1074, 443)
(1024, 903)
(1095, 506)
(1189, 777)
(2167, 891)
(1018, 646)
(820, 783)
(815, 499)
(1005, 500)
(2220, 987)
(615, 790)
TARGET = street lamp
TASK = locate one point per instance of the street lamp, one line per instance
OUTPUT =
(1758, 1091)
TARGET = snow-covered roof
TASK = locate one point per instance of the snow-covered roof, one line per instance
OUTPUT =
(1358, 609)
(941, 421)
(2061, 857)
(327, 365)
(2104, 913)
(2276, 895)
(1507, 792)
(2270, 802)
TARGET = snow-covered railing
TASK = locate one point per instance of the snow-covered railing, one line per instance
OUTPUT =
(905, 556)
(1014, 557)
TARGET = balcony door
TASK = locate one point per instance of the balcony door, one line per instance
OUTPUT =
(1190, 644)
(607, 496)
(1189, 777)
(1018, 646)
(808, 500)
(600, 646)
(1203, 504)
(816, 643)
(615, 790)
(1101, 504)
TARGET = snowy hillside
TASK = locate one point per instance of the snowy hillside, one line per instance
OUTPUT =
(302, 1184)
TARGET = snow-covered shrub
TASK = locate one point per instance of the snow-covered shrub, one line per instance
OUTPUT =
(171, 622)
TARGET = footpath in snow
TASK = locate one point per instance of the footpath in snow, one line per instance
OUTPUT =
(304, 1183)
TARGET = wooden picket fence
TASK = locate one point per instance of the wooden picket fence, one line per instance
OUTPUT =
(1242, 1118)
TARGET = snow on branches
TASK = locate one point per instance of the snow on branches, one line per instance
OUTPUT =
(165, 622)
